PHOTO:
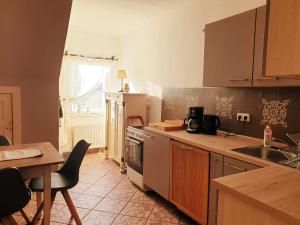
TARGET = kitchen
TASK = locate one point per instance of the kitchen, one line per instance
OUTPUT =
(255, 81)
(204, 128)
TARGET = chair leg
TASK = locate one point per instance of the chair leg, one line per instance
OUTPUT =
(25, 216)
(39, 210)
(71, 207)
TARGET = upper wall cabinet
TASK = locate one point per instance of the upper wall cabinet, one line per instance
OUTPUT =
(245, 53)
(229, 47)
(283, 38)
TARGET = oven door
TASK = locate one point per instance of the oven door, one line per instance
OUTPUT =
(134, 154)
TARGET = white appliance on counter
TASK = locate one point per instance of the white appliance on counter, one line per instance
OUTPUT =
(120, 106)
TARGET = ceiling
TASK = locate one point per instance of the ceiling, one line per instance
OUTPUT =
(117, 17)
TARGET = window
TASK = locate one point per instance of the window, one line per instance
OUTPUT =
(89, 84)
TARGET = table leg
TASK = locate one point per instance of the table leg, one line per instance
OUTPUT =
(38, 199)
(47, 194)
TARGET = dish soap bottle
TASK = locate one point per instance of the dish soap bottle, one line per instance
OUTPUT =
(267, 137)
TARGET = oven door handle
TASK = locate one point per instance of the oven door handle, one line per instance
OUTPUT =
(134, 141)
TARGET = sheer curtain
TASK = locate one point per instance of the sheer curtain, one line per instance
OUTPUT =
(81, 86)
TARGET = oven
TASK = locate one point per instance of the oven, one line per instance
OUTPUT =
(134, 154)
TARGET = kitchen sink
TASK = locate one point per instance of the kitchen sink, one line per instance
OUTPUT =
(276, 155)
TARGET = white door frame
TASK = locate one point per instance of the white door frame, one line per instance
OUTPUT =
(16, 105)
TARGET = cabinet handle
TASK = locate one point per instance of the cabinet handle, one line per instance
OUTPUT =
(276, 78)
(234, 80)
(266, 78)
(235, 167)
(186, 147)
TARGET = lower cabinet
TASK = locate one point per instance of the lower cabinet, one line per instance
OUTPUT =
(156, 163)
(223, 166)
(189, 175)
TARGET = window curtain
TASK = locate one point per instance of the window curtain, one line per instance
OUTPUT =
(67, 95)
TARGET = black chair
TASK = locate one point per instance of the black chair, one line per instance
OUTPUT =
(4, 141)
(62, 180)
(14, 195)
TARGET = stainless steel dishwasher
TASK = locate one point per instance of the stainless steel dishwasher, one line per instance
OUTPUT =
(157, 163)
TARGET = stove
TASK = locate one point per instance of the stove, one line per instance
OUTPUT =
(134, 155)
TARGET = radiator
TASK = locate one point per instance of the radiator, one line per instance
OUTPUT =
(92, 134)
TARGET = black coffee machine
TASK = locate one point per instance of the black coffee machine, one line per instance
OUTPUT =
(194, 121)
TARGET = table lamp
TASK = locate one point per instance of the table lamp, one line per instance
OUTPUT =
(122, 75)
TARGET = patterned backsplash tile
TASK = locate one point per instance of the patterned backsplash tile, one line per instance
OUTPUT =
(278, 107)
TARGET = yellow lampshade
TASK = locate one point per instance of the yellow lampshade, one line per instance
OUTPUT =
(122, 74)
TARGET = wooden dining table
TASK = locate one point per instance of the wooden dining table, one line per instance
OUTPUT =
(37, 167)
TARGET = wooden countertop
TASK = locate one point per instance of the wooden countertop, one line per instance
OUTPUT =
(275, 189)
(218, 144)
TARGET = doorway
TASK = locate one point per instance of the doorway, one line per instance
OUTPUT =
(10, 113)
(6, 117)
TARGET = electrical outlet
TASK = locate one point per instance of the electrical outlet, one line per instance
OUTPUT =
(243, 117)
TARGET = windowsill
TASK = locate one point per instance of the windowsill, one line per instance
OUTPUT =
(74, 115)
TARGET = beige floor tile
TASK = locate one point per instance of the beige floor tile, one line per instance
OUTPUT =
(98, 218)
(80, 188)
(127, 220)
(121, 194)
(111, 205)
(109, 181)
(59, 199)
(136, 209)
(98, 190)
(61, 214)
(143, 197)
(155, 222)
(165, 214)
(86, 201)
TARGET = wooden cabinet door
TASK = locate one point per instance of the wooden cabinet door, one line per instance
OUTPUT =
(229, 47)
(283, 45)
(189, 180)
(259, 80)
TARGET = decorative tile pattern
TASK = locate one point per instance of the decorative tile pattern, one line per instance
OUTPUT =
(275, 112)
(137, 209)
(191, 101)
(169, 104)
(224, 107)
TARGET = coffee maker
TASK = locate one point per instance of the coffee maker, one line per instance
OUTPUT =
(194, 121)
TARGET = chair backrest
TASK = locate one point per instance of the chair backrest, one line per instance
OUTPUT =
(4, 141)
(71, 168)
(13, 192)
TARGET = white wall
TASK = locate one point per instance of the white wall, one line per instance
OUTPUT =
(169, 51)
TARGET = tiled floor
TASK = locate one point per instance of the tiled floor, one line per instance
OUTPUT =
(104, 196)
